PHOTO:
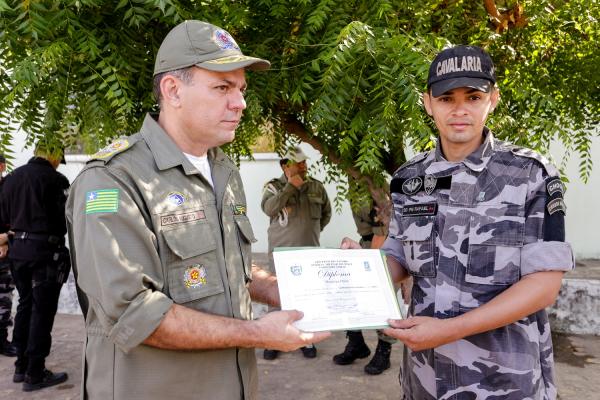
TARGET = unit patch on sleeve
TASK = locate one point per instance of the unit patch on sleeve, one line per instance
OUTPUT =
(102, 201)
(555, 185)
(556, 205)
(419, 210)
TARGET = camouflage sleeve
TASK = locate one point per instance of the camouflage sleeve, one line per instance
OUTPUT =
(392, 247)
(544, 247)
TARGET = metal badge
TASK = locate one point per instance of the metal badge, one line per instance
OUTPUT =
(412, 185)
(430, 182)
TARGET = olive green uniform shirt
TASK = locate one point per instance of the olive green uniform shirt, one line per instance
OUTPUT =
(367, 226)
(146, 231)
(297, 215)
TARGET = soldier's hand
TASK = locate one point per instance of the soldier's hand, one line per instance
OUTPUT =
(348, 243)
(278, 333)
(422, 333)
(3, 250)
(296, 180)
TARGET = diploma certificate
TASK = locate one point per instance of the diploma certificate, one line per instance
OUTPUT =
(336, 289)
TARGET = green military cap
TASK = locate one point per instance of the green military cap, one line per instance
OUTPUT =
(203, 45)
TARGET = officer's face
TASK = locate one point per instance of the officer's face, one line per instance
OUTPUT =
(460, 116)
(294, 168)
(209, 108)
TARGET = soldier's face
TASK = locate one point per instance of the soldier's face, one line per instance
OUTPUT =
(460, 115)
(293, 168)
(210, 106)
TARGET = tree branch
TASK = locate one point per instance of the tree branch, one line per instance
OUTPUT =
(509, 18)
(380, 195)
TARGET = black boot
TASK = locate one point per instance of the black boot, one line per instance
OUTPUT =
(381, 360)
(46, 379)
(355, 348)
(6, 347)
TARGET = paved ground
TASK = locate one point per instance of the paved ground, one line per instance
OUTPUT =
(294, 377)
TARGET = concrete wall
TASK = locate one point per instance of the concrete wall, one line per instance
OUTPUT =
(583, 214)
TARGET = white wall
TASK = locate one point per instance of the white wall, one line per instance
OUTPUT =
(583, 200)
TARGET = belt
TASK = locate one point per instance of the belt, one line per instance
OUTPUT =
(38, 236)
(367, 238)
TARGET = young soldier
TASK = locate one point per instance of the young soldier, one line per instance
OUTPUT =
(479, 224)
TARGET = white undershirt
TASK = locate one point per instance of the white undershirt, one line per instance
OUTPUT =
(201, 163)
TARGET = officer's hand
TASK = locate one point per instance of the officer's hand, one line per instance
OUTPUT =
(296, 180)
(3, 250)
(278, 333)
(348, 243)
(421, 333)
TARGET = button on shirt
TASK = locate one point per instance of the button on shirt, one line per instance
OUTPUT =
(466, 231)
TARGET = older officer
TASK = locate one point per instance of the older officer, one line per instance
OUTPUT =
(299, 209)
(479, 224)
(162, 242)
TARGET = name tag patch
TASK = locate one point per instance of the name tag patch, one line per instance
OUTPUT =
(182, 218)
(418, 210)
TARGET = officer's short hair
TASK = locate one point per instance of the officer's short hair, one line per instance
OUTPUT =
(185, 74)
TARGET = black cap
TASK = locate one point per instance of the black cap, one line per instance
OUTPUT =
(461, 66)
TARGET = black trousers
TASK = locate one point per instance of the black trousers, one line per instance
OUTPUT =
(38, 301)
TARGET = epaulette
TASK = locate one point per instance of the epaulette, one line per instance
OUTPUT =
(414, 160)
(116, 147)
(528, 153)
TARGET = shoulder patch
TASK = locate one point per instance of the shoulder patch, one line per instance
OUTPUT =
(528, 153)
(116, 147)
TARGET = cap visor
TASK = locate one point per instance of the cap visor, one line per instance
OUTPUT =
(231, 63)
(441, 87)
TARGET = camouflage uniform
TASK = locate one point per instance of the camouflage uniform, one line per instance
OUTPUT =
(466, 231)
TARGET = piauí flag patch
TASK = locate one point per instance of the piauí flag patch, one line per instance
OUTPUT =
(102, 201)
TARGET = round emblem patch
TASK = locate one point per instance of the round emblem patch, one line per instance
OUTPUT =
(224, 40)
(176, 198)
(194, 276)
(412, 185)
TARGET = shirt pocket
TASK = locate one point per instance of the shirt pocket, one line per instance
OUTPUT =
(316, 205)
(418, 242)
(495, 244)
(245, 239)
(193, 271)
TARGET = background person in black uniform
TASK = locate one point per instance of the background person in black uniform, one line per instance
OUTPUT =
(6, 283)
(33, 204)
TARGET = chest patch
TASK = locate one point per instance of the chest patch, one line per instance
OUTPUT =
(182, 218)
(194, 276)
(427, 183)
(418, 210)
(176, 198)
(238, 209)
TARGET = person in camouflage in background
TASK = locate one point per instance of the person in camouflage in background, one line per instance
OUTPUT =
(479, 224)
(6, 283)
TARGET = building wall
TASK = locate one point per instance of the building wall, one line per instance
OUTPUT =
(583, 214)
